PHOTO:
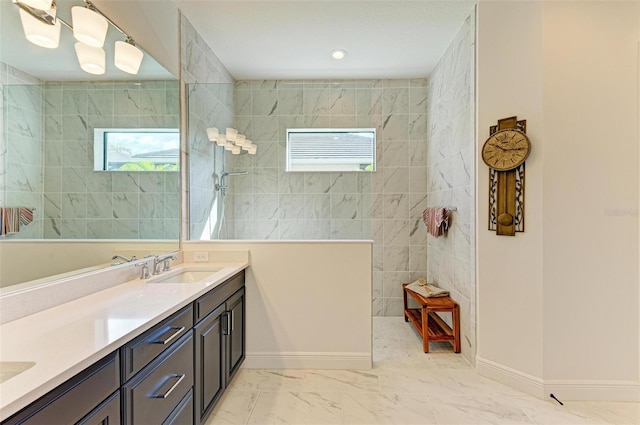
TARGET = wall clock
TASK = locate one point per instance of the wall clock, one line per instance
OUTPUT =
(505, 152)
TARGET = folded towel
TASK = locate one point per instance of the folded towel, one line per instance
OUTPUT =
(421, 287)
(12, 217)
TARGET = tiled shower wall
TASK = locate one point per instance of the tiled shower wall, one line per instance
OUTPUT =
(208, 97)
(385, 206)
(21, 149)
(82, 203)
(451, 259)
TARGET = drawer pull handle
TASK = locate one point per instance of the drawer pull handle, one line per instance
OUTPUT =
(174, 335)
(173, 387)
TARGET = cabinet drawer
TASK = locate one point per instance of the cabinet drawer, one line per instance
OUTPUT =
(74, 399)
(108, 413)
(207, 303)
(151, 395)
(183, 414)
(141, 350)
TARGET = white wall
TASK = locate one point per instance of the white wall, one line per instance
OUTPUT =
(509, 82)
(558, 305)
(308, 303)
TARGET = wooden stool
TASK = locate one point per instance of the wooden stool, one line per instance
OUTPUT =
(429, 325)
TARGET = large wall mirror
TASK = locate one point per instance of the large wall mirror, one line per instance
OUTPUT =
(57, 121)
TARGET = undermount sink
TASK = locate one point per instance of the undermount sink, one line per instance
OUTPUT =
(187, 275)
(10, 369)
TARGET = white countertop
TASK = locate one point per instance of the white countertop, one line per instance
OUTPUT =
(64, 340)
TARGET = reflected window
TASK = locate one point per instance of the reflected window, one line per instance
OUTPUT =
(136, 149)
(331, 149)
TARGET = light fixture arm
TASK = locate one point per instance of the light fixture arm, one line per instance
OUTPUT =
(93, 7)
(41, 15)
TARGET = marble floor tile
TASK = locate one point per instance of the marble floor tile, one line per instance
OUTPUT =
(233, 408)
(297, 408)
(607, 412)
(477, 410)
(404, 387)
(388, 408)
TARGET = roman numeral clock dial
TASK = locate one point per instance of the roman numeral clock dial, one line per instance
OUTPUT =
(505, 152)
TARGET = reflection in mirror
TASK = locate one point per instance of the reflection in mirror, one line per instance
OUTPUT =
(48, 186)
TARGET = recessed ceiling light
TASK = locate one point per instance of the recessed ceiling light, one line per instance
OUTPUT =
(338, 54)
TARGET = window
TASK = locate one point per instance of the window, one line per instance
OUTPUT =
(331, 149)
(136, 149)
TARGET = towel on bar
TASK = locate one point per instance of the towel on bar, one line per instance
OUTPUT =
(436, 221)
(421, 287)
(11, 218)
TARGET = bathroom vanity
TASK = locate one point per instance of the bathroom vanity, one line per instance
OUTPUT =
(145, 351)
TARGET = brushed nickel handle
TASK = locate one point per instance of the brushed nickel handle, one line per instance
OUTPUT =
(173, 336)
(173, 387)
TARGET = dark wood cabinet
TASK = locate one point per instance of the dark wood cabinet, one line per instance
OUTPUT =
(76, 399)
(220, 344)
(173, 373)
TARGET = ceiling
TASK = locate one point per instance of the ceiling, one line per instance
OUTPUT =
(260, 39)
(263, 39)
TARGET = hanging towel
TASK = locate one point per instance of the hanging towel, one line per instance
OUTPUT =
(436, 220)
(12, 217)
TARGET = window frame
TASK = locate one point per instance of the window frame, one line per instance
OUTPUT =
(289, 167)
(100, 157)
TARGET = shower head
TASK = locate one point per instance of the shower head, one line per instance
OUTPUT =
(235, 173)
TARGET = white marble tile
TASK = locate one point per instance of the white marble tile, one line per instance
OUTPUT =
(607, 412)
(233, 408)
(477, 410)
(297, 408)
(546, 412)
(268, 380)
(341, 381)
(399, 408)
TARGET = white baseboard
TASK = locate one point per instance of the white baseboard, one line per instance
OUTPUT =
(564, 390)
(594, 390)
(301, 360)
(514, 378)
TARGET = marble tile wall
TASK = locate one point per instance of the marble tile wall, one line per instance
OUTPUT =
(207, 88)
(385, 206)
(82, 203)
(21, 146)
(451, 176)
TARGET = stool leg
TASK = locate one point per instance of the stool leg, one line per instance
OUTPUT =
(404, 299)
(425, 329)
(456, 328)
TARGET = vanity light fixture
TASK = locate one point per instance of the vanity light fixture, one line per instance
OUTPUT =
(231, 140)
(127, 56)
(38, 32)
(338, 54)
(38, 4)
(92, 59)
(90, 26)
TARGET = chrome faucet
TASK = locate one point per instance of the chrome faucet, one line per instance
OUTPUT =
(165, 260)
(125, 259)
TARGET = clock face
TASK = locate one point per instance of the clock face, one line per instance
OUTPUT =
(506, 149)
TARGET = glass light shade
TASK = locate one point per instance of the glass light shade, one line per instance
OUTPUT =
(222, 140)
(241, 139)
(92, 59)
(89, 27)
(228, 146)
(236, 150)
(213, 134)
(39, 33)
(252, 150)
(232, 133)
(38, 4)
(128, 58)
